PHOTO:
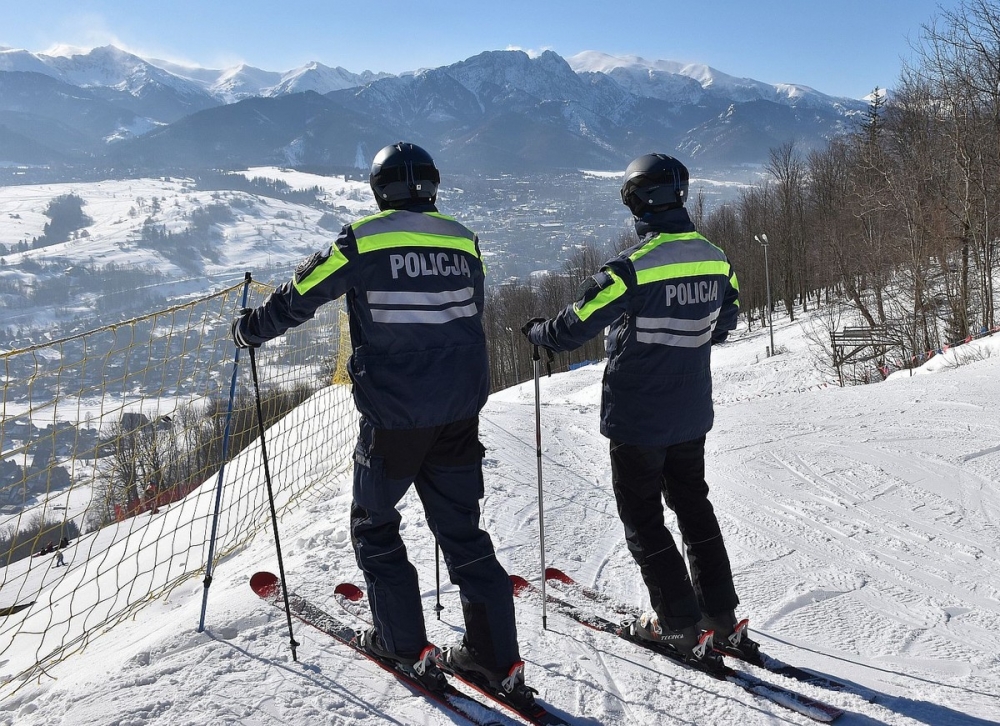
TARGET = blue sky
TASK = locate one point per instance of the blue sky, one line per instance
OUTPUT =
(842, 48)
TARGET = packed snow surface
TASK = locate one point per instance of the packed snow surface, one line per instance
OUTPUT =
(863, 525)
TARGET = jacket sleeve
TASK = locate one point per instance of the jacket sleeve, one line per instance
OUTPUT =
(730, 311)
(603, 299)
(321, 278)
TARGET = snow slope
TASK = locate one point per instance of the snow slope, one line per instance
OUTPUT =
(264, 235)
(863, 525)
(119, 208)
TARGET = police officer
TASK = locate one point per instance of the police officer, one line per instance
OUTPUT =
(667, 300)
(414, 283)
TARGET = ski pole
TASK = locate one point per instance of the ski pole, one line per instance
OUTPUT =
(270, 499)
(437, 576)
(538, 455)
(222, 470)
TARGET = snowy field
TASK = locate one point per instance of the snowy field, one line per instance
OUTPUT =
(264, 236)
(119, 208)
(863, 524)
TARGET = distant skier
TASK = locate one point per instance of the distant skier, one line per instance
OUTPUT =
(60, 560)
(667, 301)
(414, 281)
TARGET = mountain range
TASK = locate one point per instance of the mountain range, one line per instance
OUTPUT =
(496, 111)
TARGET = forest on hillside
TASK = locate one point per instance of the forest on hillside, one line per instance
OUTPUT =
(898, 218)
(892, 227)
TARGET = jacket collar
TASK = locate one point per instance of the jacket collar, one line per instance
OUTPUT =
(420, 208)
(671, 221)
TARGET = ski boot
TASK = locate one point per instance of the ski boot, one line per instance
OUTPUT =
(689, 644)
(423, 668)
(507, 685)
(732, 637)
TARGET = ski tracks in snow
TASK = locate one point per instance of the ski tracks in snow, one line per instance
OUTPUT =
(864, 527)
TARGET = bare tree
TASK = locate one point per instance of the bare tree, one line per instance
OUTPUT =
(959, 61)
(786, 235)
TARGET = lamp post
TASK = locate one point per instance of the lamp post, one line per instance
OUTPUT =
(762, 239)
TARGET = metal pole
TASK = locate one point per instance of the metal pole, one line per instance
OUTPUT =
(222, 469)
(437, 578)
(538, 456)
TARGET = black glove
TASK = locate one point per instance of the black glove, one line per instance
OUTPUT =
(526, 328)
(236, 330)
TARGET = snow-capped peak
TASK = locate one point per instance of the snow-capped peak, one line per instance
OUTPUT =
(63, 50)
(637, 73)
(317, 77)
(243, 81)
(12, 59)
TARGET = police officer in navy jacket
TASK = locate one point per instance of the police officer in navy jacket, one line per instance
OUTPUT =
(413, 280)
(666, 301)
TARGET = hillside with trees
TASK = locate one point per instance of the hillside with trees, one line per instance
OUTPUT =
(897, 220)
(890, 228)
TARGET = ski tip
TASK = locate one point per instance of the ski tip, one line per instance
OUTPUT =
(265, 584)
(553, 573)
(519, 583)
(349, 590)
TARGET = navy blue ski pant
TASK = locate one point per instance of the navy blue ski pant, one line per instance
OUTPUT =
(641, 475)
(444, 463)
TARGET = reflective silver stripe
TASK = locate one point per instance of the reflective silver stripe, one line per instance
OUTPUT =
(677, 341)
(396, 297)
(429, 317)
(658, 331)
(395, 300)
(678, 323)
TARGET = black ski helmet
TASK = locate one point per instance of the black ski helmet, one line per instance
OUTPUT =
(403, 174)
(654, 182)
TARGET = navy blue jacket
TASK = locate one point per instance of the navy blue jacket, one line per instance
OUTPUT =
(667, 300)
(414, 283)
